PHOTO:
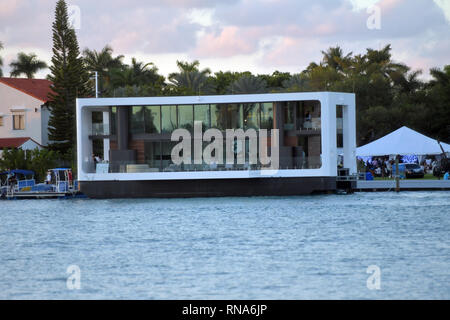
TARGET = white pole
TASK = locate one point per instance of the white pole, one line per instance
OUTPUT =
(96, 84)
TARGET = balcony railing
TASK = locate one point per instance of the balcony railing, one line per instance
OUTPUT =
(311, 162)
(99, 129)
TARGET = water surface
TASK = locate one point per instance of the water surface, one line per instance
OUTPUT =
(309, 247)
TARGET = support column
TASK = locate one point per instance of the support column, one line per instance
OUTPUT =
(349, 131)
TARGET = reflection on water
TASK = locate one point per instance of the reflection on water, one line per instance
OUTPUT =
(314, 247)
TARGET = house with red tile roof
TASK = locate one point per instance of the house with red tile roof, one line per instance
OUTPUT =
(19, 143)
(24, 112)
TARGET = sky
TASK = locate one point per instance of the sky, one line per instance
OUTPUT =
(260, 36)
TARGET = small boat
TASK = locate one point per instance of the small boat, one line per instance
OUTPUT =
(20, 184)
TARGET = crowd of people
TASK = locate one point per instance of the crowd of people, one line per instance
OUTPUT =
(378, 167)
(383, 166)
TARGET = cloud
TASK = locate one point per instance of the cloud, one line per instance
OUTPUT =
(229, 42)
(254, 35)
(445, 6)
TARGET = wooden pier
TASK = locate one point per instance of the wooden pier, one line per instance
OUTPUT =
(405, 185)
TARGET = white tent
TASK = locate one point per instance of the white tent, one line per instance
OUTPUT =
(403, 141)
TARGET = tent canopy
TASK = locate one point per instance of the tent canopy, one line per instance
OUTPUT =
(22, 172)
(403, 141)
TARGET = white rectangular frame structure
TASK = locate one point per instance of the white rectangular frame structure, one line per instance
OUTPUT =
(328, 102)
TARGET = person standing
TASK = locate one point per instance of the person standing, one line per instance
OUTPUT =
(48, 179)
(69, 177)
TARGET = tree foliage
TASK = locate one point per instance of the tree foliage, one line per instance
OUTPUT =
(248, 84)
(190, 80)
(27, 64)
(36, 160)
(70, 81)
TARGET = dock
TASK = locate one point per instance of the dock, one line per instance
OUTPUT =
(405, 185)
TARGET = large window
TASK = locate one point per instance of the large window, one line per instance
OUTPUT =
(289, 110)
(152, 155)
(18, 122)
(251, 115)
(158, 155)
(219, 116)
(340, 126)
(186, 117)
(234, 116)
(113, 121)
(300, 142)
(166, 155)
(267, 115)
(145, 120)
(153, 119)
(137, 124)
(201, 113)
(168, 118)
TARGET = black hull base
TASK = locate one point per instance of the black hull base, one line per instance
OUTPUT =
(208, 188)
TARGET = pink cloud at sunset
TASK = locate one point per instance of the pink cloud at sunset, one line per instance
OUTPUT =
(271, 35)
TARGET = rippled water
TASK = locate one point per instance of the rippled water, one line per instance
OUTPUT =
(312, 247)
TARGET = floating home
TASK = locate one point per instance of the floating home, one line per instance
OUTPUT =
(126, 145)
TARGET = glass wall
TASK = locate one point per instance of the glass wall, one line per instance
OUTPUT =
(202, 113)
(340, 126)
(152, 155)
(300, 141)
(234, 116)
(166, 156)
(165, 119)
(289, 110)
(251, 117)
(267, 115)
(113, 121)
(153, 119)
(219, 116)
(169, 118)
(137, 123)
(186, 117)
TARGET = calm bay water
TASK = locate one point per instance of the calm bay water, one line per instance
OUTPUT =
(311, 247)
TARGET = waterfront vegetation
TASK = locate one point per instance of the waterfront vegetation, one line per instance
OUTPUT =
(36, 160)
(389, 94)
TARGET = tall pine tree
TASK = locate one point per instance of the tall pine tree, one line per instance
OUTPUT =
(70, 81)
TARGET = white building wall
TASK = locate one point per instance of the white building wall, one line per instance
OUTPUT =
(12, 99)
(45, 117)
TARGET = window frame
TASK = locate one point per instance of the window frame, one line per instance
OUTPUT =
(20, 116)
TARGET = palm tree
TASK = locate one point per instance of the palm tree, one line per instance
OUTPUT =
(380, 61)
(335, 59)
(248, 84)
(27, 64)
(440, 77)
(297, 83)
(136, 74)
(1, 61)
(102, 62)
(407, 82)
(137, 79)
(144, 73)
(190, 80)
